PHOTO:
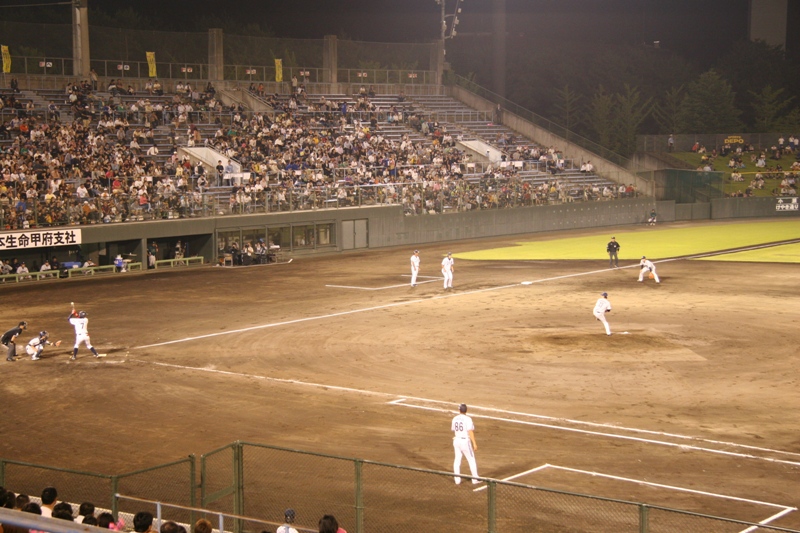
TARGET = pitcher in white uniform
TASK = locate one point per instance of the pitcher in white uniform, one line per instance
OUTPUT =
(464, 443)
(602, 307)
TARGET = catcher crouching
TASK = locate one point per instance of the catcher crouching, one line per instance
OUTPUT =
(36, 346)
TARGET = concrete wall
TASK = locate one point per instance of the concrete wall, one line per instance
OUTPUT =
(696, 211)
(748, 207)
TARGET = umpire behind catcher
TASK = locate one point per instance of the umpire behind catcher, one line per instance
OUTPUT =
(613, 248)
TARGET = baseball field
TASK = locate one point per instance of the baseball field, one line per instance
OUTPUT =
(691, 404)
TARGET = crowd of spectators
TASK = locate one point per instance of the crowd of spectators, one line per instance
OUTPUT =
(767, 163)
(108, 166)
(142, 521)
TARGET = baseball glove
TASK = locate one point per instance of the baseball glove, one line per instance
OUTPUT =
(652, 276)
(57, 343)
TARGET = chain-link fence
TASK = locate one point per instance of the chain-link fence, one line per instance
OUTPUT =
(378, 497)
(172, 482)
(688, 186)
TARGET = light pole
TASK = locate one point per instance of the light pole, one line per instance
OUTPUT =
(448, 32)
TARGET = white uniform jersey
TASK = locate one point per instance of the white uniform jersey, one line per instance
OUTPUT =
(602, 306)
(647, 264)
(461, 426)
(415, 262)
(447, 264)
(81, 325)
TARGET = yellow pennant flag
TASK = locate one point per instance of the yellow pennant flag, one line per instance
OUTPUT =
(6, 59)
(151, 64)
(279, 70)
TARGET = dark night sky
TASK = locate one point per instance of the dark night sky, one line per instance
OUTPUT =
(685, 26)
(671, 21)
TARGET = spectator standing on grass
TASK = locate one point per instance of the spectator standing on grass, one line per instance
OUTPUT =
(288, 517)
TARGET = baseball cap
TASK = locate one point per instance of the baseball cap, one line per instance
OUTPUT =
(416, 251)
(462, 408)
(604, 294)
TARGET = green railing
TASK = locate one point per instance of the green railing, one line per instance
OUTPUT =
(174, 482)
(179, 261)
(244, 480)
(259, 480)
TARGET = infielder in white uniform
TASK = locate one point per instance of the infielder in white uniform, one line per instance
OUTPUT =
(464, 443)
(81, 324)
(414, 268)
(36, 346)
(646, 267)
(447, 271)
(602, 307)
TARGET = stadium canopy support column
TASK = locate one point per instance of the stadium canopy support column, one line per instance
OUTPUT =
(499, 47)
(330, 62)
(216, 59)
(81, 58)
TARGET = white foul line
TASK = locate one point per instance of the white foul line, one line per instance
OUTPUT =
(671, 487)
(400, 400)
(515, 476)
(366, 309)
(615, 436)
(381, 288)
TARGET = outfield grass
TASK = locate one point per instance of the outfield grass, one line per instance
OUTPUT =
(656, 243)
(788, 253)
(720, 164)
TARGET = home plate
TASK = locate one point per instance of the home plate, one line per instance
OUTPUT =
(527, 283)
(102, 354)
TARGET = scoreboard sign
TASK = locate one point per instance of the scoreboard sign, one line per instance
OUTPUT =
(22, 240)
(787, 204)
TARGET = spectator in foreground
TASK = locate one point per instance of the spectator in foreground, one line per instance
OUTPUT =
(84, 511)
(328, 524)
(106, 520)
(143, 522)
(288, 517)
(203, 526)
(49, 496)
(63, 511)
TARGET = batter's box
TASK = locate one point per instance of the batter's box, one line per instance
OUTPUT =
(614, 487)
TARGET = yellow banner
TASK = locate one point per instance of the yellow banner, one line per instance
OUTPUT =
(151, 63)
(6, 59)
(279, 70)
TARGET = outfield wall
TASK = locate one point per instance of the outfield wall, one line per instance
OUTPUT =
(380, 226)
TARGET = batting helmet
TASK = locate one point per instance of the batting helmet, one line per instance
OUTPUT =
(462, 408)
(82, 314)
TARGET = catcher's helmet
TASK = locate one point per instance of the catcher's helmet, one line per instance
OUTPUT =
(82, 314)
(43, 334)
(288, 514)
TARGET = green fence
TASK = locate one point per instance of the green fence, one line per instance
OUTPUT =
(366, 496)
(258, 481)
(174, 482)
